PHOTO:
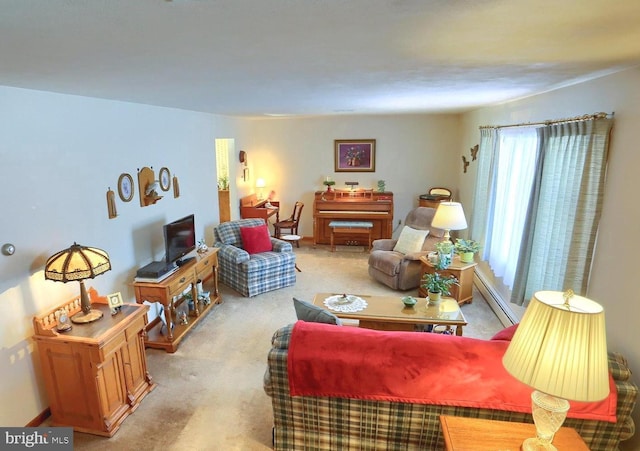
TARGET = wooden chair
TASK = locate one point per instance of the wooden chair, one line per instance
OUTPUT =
(291, 223)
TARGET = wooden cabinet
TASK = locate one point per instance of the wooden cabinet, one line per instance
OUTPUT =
(168, 293)
(96, 373)
(463, 292)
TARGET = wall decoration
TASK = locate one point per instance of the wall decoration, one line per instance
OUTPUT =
(125, 187)
(147, 187)
(111, 203)
(474, 152)
(245, 174)
(164, 178)
(465, 164)
(176, 187)
(355, 155)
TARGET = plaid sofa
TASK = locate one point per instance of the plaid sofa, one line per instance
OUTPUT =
(252, 274)
(322, 423)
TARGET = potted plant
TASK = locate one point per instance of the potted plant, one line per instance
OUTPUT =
(329, 184)
(437, 285)
(223, 183)
(466, 249)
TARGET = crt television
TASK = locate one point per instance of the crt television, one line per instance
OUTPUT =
(179, 239)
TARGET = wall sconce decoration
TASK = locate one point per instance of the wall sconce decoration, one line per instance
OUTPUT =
(148, 187)
(245, 174)
(111, 203)
(176, 187)
(242, 156)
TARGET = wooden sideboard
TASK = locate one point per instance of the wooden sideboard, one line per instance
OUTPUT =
(158, 335)
(96, 373)
(363, 205)
(251, 207)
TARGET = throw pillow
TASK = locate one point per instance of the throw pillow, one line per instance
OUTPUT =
(306, 311)
(256, 239)
(505, 334)
(410, 240)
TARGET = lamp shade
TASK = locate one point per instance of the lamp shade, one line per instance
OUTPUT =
(76, 263)
(260, 183)
(449, 216)
(560, 348)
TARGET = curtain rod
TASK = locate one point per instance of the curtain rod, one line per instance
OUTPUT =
(585, 117)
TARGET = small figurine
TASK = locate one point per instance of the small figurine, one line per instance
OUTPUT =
(183, 318)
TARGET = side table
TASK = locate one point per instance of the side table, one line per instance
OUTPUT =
(292, 239)
(463, 293)
(474, 434)
(95, 374)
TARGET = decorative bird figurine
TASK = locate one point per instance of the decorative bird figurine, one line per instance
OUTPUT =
(465, 164)
(474, 152)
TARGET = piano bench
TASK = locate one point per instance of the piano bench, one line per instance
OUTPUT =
(351, 227)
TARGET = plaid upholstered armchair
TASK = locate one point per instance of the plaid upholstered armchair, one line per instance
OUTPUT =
(250, 261)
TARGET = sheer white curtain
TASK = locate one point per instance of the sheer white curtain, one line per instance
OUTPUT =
(513, 177)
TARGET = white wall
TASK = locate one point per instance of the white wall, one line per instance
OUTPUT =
(59, 154)
(413, 153)
(615, 270)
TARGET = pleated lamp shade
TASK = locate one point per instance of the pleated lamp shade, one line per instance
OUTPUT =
(560, 347)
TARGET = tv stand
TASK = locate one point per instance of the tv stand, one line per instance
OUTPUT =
(202, 267)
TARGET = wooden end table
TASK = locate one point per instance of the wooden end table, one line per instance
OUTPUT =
(463, 293)
(474, 434)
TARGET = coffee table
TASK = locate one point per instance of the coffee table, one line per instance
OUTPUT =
(389, 313)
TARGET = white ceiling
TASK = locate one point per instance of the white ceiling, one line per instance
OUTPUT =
(314, 57)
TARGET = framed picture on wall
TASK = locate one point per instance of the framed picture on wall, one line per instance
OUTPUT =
(355, 155)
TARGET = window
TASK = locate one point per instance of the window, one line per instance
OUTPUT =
(538, 196)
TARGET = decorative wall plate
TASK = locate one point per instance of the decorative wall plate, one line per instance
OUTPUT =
(125, 187)
(165, 179)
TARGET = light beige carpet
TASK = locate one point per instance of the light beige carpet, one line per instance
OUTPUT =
(209, 394)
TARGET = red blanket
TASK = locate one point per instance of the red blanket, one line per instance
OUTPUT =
(347, 362)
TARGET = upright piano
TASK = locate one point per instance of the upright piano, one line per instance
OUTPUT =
(359, 205)
(251, 207)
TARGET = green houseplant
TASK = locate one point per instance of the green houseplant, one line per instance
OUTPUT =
(329, 184)
(223, 183)
(437, 285)
(466, 249)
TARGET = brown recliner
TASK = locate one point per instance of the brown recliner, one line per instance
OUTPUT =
(402, 271)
